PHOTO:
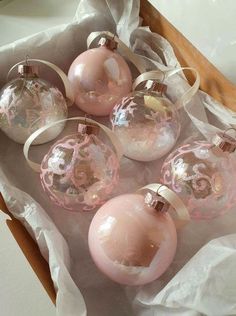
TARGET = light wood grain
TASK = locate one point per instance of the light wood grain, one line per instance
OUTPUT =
(212, 81)
(30, 250)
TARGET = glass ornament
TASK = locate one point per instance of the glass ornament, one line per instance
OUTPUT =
(146, 123)
(79, 171)
(132, 238)
(28, 103)
(203, 175)
(100, 77)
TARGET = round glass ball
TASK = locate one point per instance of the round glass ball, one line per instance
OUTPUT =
(146, 124)
(79, 172)
(131, 242)
(28, 103)
(203, 177)
(100, 77)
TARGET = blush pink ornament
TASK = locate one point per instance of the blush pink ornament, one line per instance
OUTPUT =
(132, 238)
(146, 122)
(100, 77)
(203, 175)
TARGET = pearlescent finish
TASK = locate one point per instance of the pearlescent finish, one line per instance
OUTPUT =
(26, 104)
(146, 124)
(100, 77)
(79, 172)
(131, 242)
(203, 177)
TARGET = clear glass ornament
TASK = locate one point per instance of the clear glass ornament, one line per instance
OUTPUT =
(28, 103)
(100, 77)
(203, 175)
(147, 124)
(79, 172)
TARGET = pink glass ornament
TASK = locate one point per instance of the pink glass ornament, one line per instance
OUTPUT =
(147, 124)
(203, 176)
(100, 77)
(28, 103)
(79, 172)
(130, 241)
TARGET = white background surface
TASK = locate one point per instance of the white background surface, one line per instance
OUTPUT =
(210, 25)
(33, 16)
(18, 281)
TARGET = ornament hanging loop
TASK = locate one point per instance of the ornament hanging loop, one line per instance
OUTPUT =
(124, 49)
(229, 129)
(162, 76)
(27, 60)
(172, 198)
(156, 201)
(68, 88)
(114, 140)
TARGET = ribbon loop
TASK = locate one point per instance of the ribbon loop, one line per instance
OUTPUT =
(163, 75)
(125, 50)
(68, 88)
(172, 198)
(84, 120)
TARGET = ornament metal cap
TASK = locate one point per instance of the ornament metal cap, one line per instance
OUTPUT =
(225, 142)
(88, 129)
(108, 42)
(156, 86)
(27, 69)
(156, 201)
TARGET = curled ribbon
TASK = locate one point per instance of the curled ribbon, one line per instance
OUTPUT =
(68, 88)
(125, 50)
(114, 140)
(172, 198)
(162, 75)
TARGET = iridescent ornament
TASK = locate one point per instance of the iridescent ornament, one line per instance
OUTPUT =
(79, 171)
(100, 77)
(28, 103)
(203, 175)
(146, 123)
(132, 238)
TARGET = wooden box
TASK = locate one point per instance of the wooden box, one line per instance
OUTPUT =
(212, 82)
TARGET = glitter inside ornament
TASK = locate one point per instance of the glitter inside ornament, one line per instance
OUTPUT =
(130, 241)
(204, 178)
(79, 172)
(147, 124)
(28, 103)
(100, 77)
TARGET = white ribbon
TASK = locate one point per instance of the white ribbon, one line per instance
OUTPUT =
(172, 198)
(68, 88)
(163, 75)
(125, 50)
(114, 140)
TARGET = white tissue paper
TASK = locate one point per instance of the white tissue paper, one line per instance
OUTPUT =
(205, 285)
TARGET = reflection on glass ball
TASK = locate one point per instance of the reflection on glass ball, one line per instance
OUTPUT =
(100, 77)
(26, 104)
(131, 242)
(146, 124)
(79, 172)
(203, 177)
